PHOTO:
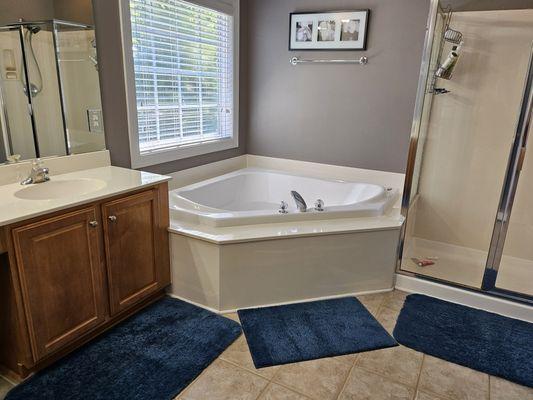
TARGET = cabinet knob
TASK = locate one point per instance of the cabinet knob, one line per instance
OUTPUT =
(93, 224)
(112, 218)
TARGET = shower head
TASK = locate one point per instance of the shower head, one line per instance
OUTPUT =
(34, 29)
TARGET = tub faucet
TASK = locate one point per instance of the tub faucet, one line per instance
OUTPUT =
(299, 200)
(38, 173)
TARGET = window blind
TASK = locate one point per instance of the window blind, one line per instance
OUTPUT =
(183, 63)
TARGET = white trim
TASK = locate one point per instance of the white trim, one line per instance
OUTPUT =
(328, 171)
(139, 160)
(231, 311)
(316, 170)
(309, 300)
(207, 171)
(170, 294)
(465, 297)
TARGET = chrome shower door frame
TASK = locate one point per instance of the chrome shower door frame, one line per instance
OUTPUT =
(515, 162)
(415, 127)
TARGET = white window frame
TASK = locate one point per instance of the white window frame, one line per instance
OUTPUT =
(178, 152)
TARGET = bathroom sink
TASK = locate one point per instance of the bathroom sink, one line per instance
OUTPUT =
(56, 189)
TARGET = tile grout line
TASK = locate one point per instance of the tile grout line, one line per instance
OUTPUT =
(386, 377)
(345, 383)
(178, 397)
(263, 390)
(292, 390)
(272, 381)
(246, 369)
(419, 375)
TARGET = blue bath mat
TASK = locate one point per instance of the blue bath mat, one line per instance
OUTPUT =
(474, 338)
(153, 355)
(307, 331)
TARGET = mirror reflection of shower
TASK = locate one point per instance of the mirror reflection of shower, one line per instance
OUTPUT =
(37, 86)
(49, 90)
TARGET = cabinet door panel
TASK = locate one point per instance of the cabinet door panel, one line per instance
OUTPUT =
(133, 264)
(61, 275)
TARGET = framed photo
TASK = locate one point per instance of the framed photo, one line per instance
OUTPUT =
(336, 30)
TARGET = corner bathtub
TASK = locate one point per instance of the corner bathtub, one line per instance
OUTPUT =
(253, 196)
(231, 248)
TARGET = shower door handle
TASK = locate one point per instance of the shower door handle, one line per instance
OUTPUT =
(521, 158)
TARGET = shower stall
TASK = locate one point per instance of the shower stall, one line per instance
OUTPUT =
(468, 198)
(49, 90)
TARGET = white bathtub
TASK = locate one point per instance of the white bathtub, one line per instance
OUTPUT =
(253, 196)
(232, 249)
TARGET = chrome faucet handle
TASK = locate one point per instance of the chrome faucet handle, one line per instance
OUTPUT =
(319, 205)
(283, 206)
(38, 173)
(44, 174)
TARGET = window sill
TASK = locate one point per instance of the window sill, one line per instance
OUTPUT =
(140, 160)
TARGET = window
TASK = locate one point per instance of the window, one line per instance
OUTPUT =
(183, 72)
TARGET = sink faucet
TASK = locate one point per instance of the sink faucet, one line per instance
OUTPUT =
(299, 200)
(38, 173)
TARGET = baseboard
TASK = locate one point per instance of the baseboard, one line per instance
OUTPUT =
(338, 296)
(465, 297)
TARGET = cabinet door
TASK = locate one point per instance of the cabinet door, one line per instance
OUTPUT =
(135, 244)
(61, 273)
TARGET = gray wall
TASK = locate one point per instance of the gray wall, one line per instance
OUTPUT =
(30, 10)
(38, 10)
(358, 116)
(106, 13)
(111, 72)
(74, 10)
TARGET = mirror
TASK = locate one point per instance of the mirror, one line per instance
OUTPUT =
(50, 101)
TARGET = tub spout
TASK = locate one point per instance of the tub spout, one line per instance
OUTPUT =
(299, 200)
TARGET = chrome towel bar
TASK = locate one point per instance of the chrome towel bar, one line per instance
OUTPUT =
(360, 61)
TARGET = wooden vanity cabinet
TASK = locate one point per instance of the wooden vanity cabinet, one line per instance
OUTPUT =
(71, 275)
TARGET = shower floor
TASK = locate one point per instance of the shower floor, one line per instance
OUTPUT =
(466, 266)
(457, 264)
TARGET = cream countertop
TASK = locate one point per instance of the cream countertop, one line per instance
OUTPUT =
(112, 181)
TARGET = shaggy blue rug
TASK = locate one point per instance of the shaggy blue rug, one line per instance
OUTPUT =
(307, 331)
(153, 355)
(474, 338)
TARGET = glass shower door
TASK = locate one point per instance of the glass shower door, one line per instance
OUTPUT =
(510, 262)
(41, 66)
(80, 86)
(16, 125)
(515, 272)
(465, 152)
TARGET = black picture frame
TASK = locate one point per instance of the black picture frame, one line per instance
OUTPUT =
(313, 14)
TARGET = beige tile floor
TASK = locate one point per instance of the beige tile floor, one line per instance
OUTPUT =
(397, 373)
